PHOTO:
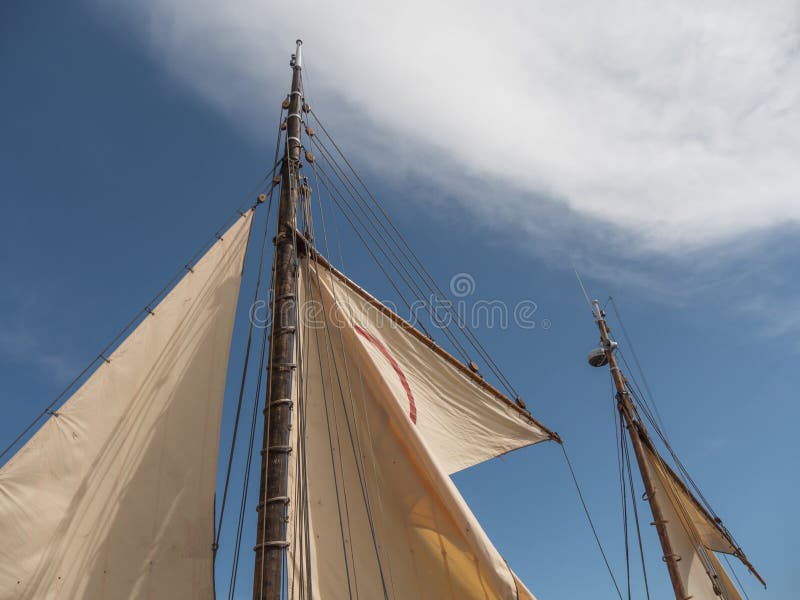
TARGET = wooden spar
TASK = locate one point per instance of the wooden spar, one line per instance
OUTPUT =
(271, 533)
(636, 432)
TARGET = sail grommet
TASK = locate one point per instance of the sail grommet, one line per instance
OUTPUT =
(473, 366)
(261, 198)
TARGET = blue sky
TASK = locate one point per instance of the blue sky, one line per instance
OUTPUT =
(124, 147)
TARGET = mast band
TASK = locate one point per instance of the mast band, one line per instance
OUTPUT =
(281, 401)
(280, 544)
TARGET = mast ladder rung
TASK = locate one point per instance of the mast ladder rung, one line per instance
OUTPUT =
(275, 500)
(288, 366)
(661, 522)
(285, 329)
(274, 544)
(671, 557)
(281, 449)
(282, 401)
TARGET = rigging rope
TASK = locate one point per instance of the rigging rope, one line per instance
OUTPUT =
(326, 182)
(102, 356)
(256, 398)
(418, 266)
(654, 419)
(629, 472)
(246, 363)
(735, 576)
(356, 444)
(589, 519)
(629, 344)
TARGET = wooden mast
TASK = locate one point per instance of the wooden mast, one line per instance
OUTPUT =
(273, 498)
(637, 432)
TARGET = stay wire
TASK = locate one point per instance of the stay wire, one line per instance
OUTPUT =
(391, 257)
(636, 521)
(256, 399)
(629, 343)
(622, 468)
(418, 297)
(466, 331)
(355, 442)
(321, 209)
(735, 576)
(589, 519)
(341, 203)
(234, 435)
(143, 313)
(424, 276)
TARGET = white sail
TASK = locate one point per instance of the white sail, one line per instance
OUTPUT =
(113, 497)
(693, 534)
(381, 421)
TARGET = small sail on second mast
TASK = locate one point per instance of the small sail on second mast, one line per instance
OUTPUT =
(113, 498)
(382, 420)
(689, 535)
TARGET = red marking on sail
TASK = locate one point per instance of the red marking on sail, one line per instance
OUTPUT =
(412, 405)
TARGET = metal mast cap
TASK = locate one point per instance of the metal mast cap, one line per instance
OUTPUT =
(298, 61)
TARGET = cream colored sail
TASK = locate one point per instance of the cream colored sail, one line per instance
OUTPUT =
(381, 420)
(113, 497)
(693, 534)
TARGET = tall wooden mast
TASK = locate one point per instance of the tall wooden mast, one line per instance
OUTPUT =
(273, 499)
(637, 431)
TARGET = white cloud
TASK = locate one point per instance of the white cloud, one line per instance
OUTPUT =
(678, 122)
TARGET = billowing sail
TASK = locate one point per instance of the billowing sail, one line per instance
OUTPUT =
(113, 497)
(693, 534)
(381, 419)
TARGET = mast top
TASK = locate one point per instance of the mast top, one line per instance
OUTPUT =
(598, 314)
(297, 57)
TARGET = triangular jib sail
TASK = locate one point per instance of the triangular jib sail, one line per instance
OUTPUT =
(113, 498)
(688, 534)
(694, 535)
(381, 421)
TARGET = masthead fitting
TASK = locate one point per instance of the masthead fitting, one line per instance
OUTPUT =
(298, 56)
(598, 314)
